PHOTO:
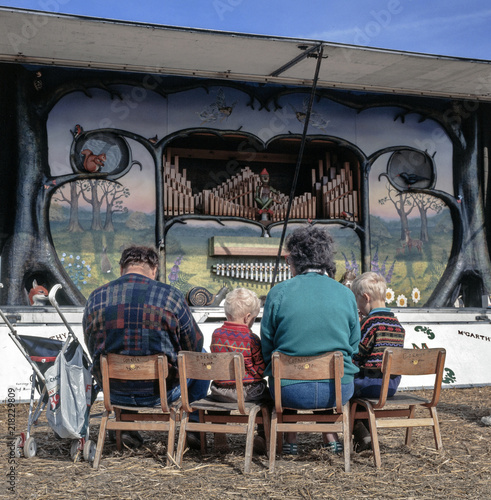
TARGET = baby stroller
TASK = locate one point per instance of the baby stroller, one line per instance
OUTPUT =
(61, 376)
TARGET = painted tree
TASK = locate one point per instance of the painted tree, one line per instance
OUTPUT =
(425, 202)
(30, 254)
(403, 203)
(75, 190)
(90, 193)
(114, 194)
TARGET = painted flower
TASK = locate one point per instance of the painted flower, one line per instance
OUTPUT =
(416, 295)
(389, 295)
(401, 301)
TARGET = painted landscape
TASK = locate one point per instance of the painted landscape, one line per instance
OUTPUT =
(91, 257)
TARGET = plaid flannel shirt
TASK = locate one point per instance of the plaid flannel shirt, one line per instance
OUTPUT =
(137, 316)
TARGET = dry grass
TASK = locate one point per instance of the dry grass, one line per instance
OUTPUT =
(461, 470)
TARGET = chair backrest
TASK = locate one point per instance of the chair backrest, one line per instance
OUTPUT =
(122, 367)
(329, 365)
(211, 366)
(399, 361)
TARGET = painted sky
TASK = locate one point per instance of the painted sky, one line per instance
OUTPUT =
(450, 27)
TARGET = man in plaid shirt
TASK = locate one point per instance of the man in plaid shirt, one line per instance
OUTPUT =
(136, 315)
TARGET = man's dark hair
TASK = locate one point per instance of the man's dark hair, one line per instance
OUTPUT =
(312, 247)
(139, 255)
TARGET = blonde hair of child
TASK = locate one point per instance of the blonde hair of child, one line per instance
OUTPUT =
(370, 283)
(239, 302)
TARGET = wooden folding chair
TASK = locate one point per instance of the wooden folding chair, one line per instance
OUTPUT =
(213, 414)
(154, 367)
(382, 414)
(326, 366)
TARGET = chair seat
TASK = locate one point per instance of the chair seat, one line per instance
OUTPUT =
(212, 405)
(148, 409)
(397, 399)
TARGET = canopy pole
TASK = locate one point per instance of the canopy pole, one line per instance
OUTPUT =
(299, 163)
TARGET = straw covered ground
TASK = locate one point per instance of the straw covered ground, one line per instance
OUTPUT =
(461, 470)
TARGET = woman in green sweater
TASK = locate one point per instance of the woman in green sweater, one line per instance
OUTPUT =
(309, 315)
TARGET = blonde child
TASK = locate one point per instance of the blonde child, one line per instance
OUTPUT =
(380, 329)
(241, 309)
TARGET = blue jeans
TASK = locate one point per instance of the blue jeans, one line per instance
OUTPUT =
(312, 395)
(197, 389)
(366, 387)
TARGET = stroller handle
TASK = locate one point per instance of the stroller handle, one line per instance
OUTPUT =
(52, 294)
(54, 303)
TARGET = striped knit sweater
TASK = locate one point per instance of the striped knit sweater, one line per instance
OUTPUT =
(380, 329)
(236, 337)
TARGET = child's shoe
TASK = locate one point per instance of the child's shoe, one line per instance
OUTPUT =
(335, 447)
(290, 449)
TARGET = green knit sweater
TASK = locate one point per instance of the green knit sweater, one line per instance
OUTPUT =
(309, 315)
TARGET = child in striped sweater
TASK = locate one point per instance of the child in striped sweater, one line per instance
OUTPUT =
(380, 329)
(241, 309)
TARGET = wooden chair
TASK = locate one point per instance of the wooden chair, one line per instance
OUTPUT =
(213, 414)
(154, 367)
(381, 413)
(326, 366)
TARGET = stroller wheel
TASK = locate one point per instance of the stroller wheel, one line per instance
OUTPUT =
(18, 447)
(89, 451)
(30, 448)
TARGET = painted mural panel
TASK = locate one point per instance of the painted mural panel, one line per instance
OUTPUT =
(410, 230)
(211, 146)
(91, 220)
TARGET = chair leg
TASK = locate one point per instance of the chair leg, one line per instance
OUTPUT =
(409, 430)
(119, 444)
(436, 429)
(250, 439)
(374, 435)
(346, 438)
(352, 413)
(272, 440)
(267, 426)
(100, 440)
(279, 437)
(202, 435)
(172, 437)
(182, 438)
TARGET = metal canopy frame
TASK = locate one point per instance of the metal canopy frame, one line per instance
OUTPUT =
(40, 38)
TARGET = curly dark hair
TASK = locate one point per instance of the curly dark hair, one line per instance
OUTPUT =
(136, 254)
(312, 247)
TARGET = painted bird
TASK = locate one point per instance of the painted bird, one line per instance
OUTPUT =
(77, 131)
(411, 178)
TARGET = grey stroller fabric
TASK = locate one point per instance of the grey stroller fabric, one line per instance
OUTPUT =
(69, 385)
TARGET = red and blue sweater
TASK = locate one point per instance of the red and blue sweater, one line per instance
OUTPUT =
(236, 337)
(380, 330)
